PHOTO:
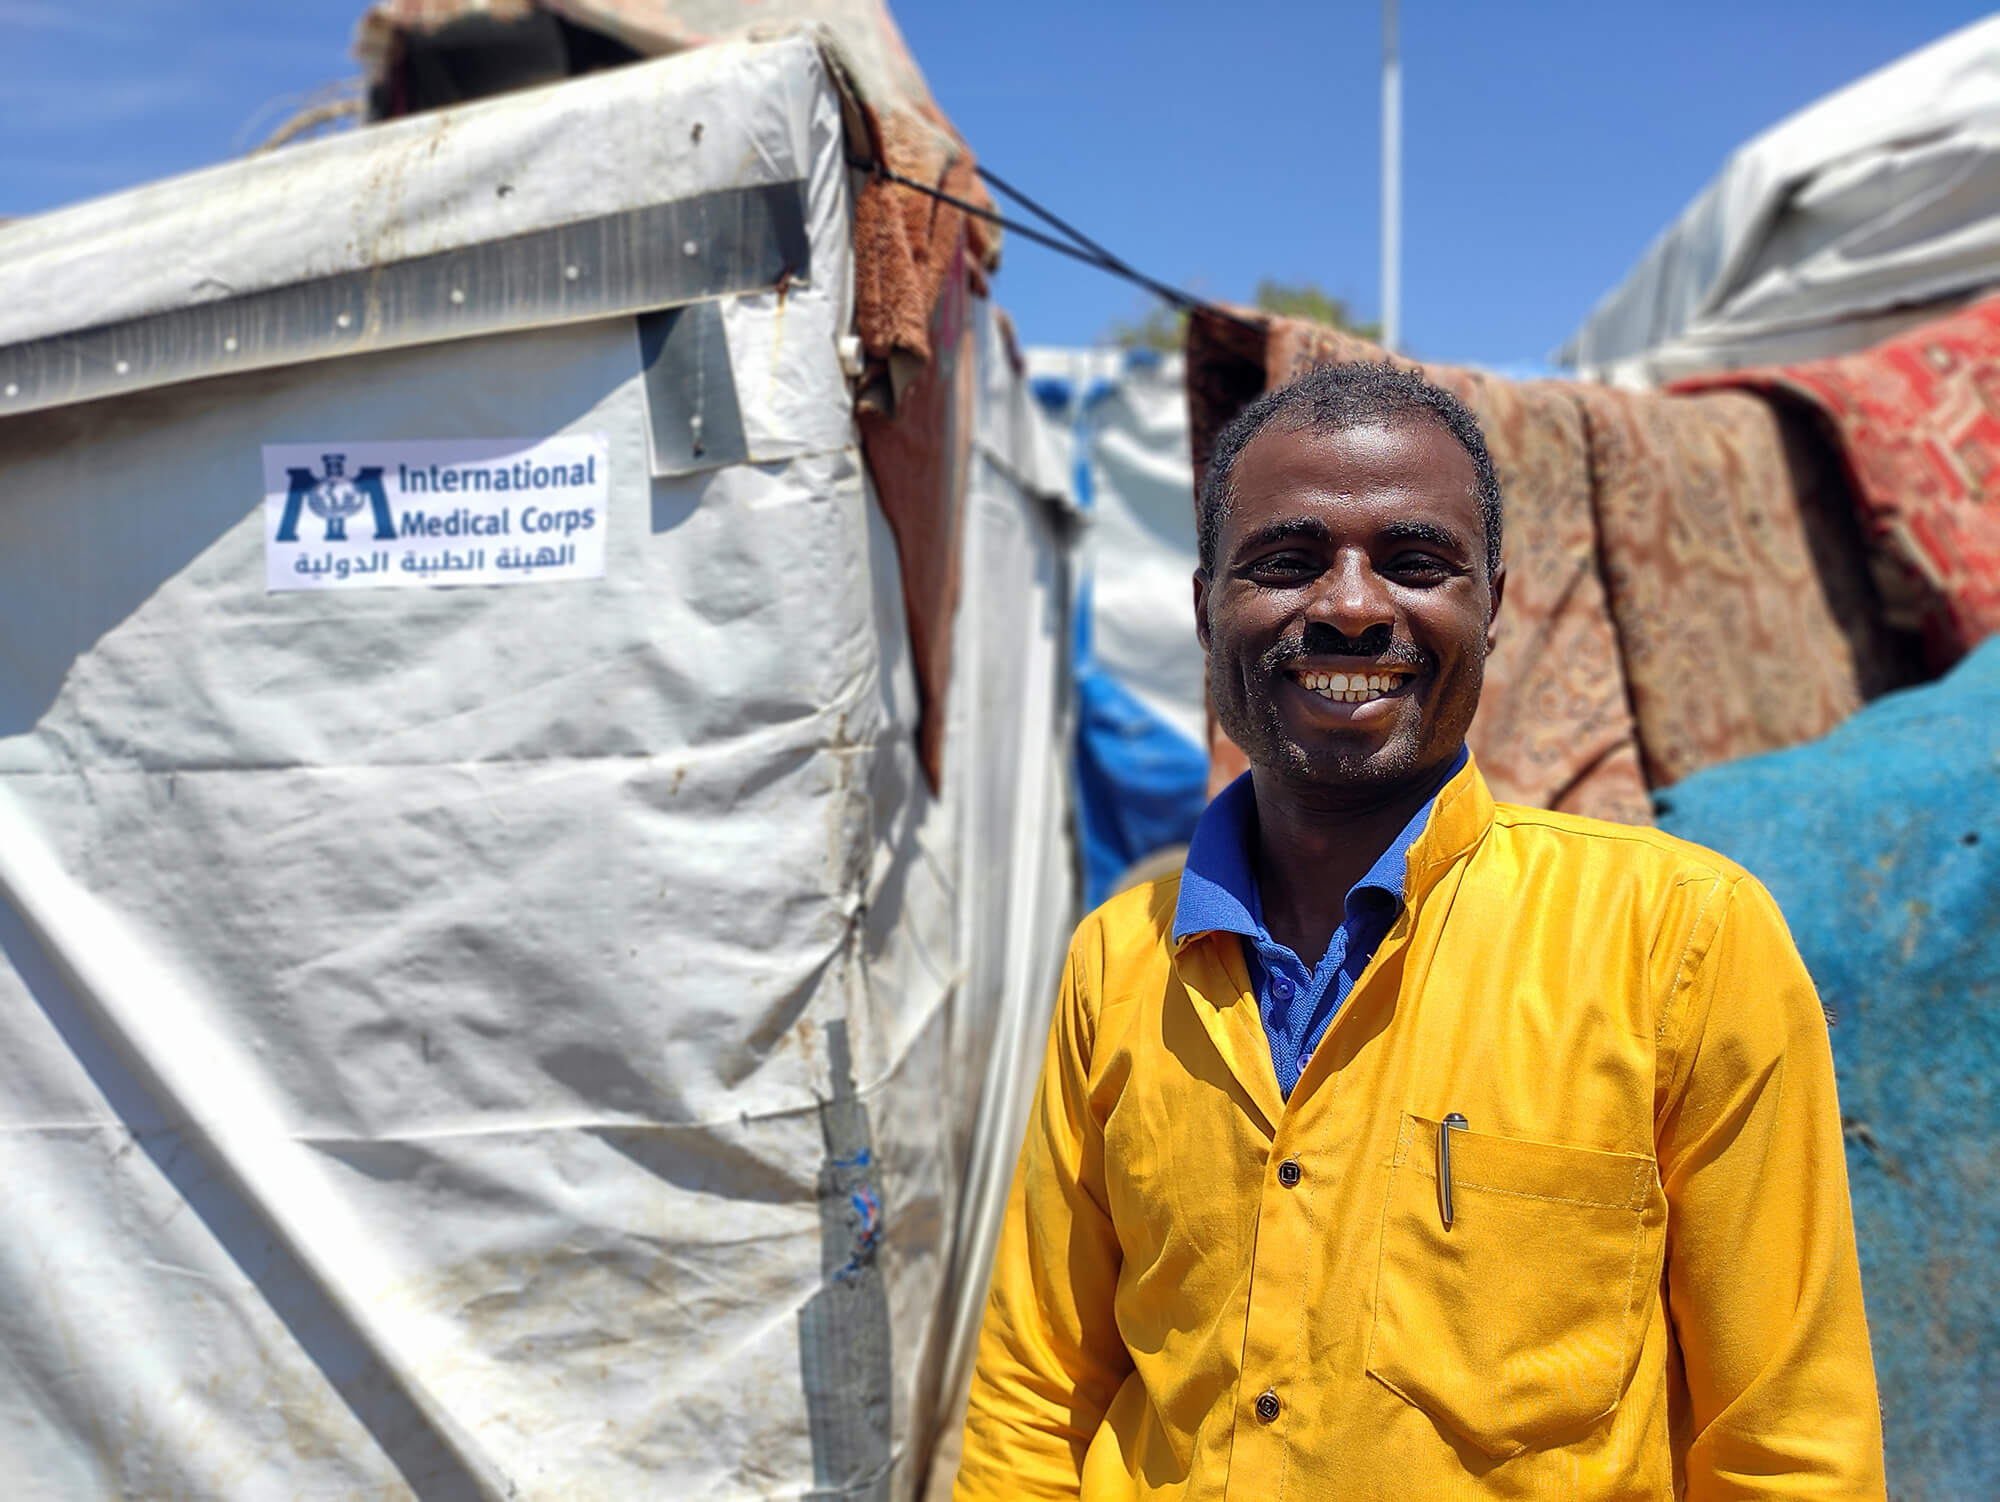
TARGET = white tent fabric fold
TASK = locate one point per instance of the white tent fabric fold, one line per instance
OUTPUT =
(417, 187)
(528, 1040)
(1131, 434)
(1874, 209)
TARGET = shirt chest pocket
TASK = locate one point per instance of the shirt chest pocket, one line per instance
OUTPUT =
(1519, 1325)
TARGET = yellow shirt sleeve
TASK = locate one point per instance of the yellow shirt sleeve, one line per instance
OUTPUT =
(1762, 1282)
(1050, 1355)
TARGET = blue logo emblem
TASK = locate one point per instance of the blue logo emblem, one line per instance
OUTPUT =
(334, 497)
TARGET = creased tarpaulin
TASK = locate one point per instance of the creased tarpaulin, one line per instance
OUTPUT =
(1142, 736)
(1916, 422)
(916, 259)
(451, 1037)
(1868, 212)
(1014, 928)
(1680, 590)
(1881, 842)
(905, 243)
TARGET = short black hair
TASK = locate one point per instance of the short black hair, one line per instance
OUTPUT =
(1329, 399)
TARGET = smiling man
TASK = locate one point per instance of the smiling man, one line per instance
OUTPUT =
(1407, 1145)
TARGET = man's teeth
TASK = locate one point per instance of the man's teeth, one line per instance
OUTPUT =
(1350, 688)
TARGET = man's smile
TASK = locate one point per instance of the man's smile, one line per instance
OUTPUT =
(1358, 686)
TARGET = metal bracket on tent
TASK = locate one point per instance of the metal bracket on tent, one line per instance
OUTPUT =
(692, 415)
(664, 255)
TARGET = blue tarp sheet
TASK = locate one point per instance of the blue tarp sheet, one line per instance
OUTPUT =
(1881, 843)
(1141, 781)
(1140, 786)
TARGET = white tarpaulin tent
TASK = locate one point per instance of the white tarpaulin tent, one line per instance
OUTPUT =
(1873, 210)
(490, 1004)
(1128, 428)
(1143, 713)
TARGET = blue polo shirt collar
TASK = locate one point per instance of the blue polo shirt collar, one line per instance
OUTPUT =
(1219, 885)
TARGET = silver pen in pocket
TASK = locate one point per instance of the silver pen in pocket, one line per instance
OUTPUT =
(1453, 1122)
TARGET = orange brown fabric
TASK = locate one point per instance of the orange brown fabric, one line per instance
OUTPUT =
(906, 244)
(1685, 584)
(920, 459)
(1916, 423)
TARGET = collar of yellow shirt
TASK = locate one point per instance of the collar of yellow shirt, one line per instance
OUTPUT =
(1217, 979)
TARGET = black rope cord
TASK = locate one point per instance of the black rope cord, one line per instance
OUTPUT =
(1078, 246)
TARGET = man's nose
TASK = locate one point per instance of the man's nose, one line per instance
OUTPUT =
(1351, 597)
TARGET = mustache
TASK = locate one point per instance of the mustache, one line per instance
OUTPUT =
(1321, 640)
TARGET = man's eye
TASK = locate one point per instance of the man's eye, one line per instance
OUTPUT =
(1284, 566)
(1418, 566)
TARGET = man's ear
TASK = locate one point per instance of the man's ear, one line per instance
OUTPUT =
(1498, 588)
(1201, 607)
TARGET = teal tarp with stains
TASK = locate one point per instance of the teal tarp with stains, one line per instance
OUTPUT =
(1882, 844)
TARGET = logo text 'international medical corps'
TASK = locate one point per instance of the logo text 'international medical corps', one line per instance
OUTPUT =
(334, 497)
(355, 513)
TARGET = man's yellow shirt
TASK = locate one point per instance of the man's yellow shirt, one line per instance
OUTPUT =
(1648, 1287)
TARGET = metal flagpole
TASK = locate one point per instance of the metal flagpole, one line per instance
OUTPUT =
(1392, 179)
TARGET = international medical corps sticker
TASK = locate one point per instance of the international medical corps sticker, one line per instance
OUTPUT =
(427, 512)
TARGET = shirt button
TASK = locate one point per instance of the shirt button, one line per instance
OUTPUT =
(1267, 1406)
(1281, 987)
(1289, 1173)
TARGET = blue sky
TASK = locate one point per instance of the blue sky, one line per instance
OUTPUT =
(1213, 144)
